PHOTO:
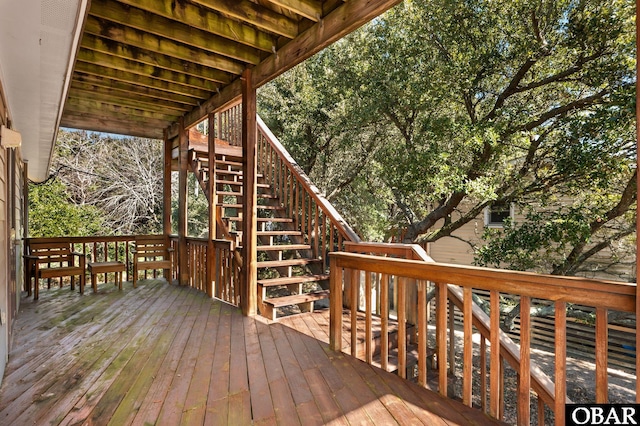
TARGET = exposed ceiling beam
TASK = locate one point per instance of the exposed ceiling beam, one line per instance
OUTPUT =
(150, 23)
(98, 124)
(254, 14)
(108, 84)
(87, 108)
(310, 9)
(125, 51)
(162, 107)
(337, 24)
(90, 59)
(139, 80)
(207, 20)
(138, 96)
(138, 121)
(127, 35)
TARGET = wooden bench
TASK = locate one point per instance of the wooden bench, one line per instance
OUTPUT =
(152, 252)
(53, 260)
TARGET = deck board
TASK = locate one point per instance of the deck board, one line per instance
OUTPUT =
(164, 354)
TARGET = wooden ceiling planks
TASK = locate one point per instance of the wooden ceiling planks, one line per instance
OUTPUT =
(143, 64)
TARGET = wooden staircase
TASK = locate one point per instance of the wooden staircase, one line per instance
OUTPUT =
(291, 276)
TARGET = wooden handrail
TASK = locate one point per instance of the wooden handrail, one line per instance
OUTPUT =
(348, 233)
(455, 283)
(402, 250)
(582, 291)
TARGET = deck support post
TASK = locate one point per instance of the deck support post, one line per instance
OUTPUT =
(637, 208)
(211, 190)
(183, 273)
(25, 225)
(166, 192)
(248, 287)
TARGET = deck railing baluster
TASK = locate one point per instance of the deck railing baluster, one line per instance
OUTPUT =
(456, 287)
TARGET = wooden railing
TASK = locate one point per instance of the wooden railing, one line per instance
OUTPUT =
(229, 124)
(323, 227)
(173, 241)
(455, 284)
(228, 265)
(197, 264)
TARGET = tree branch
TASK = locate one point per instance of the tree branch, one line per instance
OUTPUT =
(555, 112)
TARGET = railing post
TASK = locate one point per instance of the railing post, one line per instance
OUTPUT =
(166, 186)
(637, 212)
(560, 343)
(422, 332)
(402, 326)
(441, 337)
(211, 190)
(249, 289)
(524, 375)
(467, 363)
(494, 362)
(25, 228)
(183, 273)
(602, 349)
(335, 303)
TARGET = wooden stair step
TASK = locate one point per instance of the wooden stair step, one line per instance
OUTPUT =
(234, 173)
(278, 302)
(278, 233)
(229, 163)
(264, 219)
(239, 194)
(228, 172)
(225, 150)
(239, 183)
(239, 206)
(287, 262)
(283, 247)
(271, 282)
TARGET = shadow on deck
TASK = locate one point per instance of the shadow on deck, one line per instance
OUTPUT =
(162, 354)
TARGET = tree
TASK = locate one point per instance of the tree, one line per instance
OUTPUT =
(52, 215)
(482, 102)
(121, 177)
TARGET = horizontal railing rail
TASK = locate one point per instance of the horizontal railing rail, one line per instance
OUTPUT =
(454, 286)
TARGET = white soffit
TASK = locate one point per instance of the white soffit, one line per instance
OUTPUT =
(38, 42)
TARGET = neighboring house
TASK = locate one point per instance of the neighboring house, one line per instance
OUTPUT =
(459, 248)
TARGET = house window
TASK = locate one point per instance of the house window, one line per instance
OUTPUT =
(496, 214)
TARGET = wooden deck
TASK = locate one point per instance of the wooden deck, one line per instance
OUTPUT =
(161, 354)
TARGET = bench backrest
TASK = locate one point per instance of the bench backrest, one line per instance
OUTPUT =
(151, 247)
(52, 252)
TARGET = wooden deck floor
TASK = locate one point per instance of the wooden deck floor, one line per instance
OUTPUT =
(161, 354)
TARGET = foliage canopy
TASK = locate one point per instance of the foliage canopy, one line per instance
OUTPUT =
(438, 109)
